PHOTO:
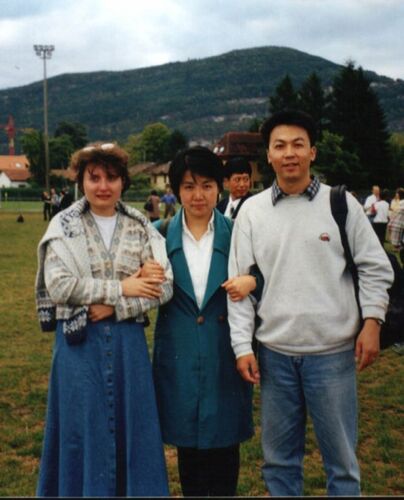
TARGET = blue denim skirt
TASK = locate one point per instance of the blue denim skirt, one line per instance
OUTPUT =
(102, 435)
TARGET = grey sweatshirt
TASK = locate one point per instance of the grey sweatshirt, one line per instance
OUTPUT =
(308, 303)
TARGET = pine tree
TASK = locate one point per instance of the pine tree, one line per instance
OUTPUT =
(312, 100)
(357, 115)
(285, 96)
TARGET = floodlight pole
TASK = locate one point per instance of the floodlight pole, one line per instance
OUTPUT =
(45, 52)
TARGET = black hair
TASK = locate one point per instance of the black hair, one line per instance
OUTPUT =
(237, 165)
(384, 194)
(289, 117)
(199, 161)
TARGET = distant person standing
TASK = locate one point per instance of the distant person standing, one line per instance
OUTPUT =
(152, 206)
(54, 202)
(45, 198)
(396, 226)
(395, 203)
(368, 206)
(66, 199)
(237, 175)
(381, 218)
(169, 199)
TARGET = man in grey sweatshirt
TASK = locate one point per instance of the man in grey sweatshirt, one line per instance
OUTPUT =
(309, 316)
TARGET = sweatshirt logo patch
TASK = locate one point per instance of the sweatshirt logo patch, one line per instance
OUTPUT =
(324, 237)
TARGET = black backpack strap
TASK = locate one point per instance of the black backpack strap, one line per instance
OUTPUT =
(339, 210)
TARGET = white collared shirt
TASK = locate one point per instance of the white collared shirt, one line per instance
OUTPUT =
(198, 254)
(231, 206)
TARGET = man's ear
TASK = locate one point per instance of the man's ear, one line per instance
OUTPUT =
(313, 153)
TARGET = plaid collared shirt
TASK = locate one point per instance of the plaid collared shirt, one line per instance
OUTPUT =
(310, 191)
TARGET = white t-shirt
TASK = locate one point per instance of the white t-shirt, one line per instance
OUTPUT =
(370, 200)
(382, 211)
(106, 227)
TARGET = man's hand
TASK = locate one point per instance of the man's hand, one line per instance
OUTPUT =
(97, 312)
(135, 286)
(367, 344)
(248, 368)
(152, 269)
(239, 287)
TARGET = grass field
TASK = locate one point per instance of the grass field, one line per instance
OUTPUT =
(25, 356)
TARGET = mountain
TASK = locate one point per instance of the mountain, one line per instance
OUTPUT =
(204, 98)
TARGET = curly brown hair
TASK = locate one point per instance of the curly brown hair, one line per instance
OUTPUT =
(106, 155)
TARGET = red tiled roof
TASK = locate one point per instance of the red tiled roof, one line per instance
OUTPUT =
(239, 144)
(149, 168)
(17, 174)
(140, 168)
(9, 162)
(66, 173)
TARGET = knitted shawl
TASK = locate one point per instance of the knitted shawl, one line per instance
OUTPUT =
(66, 231)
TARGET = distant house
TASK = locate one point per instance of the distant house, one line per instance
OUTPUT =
(158, 173)
(14, 171)
(246, 144)
(66, 173)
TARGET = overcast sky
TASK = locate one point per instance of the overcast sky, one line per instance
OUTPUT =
(92, 35)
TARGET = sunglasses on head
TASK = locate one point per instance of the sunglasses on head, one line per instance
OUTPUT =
(105, 147)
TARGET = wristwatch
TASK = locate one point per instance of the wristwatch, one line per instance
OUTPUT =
(380, 321)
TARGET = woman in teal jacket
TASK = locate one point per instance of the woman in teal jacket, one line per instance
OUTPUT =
(204, 405)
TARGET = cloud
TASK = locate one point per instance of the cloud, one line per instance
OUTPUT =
(94, 35)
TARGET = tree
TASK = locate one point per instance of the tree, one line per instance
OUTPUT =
(76, 131)
(397, 156)
(156, 143)
(285, 96)
(336, 165)
(60, 150)
(255, 125)
(176, 141)
(132, 146)
(357, 116)
(33, 147)
(312, 100)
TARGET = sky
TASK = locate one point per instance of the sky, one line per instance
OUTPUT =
(114, 35)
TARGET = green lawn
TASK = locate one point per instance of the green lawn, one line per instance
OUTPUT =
(25, 356)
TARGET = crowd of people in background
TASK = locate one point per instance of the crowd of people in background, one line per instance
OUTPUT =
(386, 214)
(53, 202)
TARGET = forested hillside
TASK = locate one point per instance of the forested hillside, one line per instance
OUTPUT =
(203, 98)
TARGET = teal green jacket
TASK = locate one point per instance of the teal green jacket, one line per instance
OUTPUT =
(203, 402)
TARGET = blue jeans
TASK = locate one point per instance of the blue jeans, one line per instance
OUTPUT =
(325, 387)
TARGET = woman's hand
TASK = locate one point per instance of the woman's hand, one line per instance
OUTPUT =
(239, 287)
(97, 312)
(136, 286)
(152, 269)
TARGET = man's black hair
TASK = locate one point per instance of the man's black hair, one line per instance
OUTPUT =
(289, 117)
(199, 161)
(237, 165)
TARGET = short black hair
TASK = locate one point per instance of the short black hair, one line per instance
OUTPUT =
(199, 161)
(289, 117)
(237, 165)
